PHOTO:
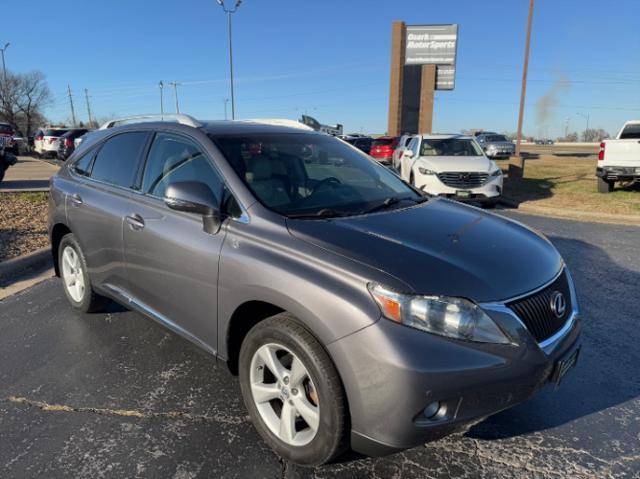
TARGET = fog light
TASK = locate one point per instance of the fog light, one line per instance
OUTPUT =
(431, 410)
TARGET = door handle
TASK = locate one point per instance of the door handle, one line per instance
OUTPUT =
(135, 221)
(75, 199)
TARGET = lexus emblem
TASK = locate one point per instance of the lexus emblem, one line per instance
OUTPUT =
(558, 304)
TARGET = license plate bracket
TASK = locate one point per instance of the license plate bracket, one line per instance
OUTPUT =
(463, 193)
(564, 365)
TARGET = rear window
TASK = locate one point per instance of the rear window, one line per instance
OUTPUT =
(73, 134)
(631, 132)
(117, 161)
(383, 142)
(55, 132)
(4, 128)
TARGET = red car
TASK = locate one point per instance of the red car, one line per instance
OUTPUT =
(382, 148)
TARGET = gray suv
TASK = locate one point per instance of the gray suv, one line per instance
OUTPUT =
(356, 311)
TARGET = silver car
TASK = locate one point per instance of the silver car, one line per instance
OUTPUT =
(496, 146)
(357, 312)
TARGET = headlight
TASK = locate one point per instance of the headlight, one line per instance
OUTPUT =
(496, 172)
(446, 316)
(425, 171)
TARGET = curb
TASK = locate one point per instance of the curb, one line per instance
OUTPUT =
(10, 268)
(584, 216)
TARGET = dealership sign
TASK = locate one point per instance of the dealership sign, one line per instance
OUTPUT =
(434, 44)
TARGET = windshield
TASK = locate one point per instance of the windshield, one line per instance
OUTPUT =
(301, 174)
(495, 138)
(450, 147)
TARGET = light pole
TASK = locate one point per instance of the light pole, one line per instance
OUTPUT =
(4, 68)
(161, 86)
(586, 117)
(229, 12)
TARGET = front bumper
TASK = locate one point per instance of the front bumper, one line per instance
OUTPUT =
(392, 373)
(488, 192)
(500, 153)
(619, 173)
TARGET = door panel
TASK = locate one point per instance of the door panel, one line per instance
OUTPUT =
(172, 266)
(95, 213)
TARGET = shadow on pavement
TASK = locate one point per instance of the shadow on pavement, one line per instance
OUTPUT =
(608, 374)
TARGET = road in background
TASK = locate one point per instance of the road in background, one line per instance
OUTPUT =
(29, 174)
(116, 395)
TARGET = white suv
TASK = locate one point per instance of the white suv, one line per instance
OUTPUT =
(452, 166)
(46, 141)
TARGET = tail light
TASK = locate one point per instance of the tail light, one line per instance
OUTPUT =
(68, 143)
(51, 140)
(601, 152)
(39, 138)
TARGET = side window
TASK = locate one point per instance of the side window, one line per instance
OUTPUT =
(83, 165)
(117, 161)
(175, 158)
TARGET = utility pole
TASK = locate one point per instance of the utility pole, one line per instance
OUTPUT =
(161, 85)
(225, 101)
(175, 94)
(229, 12)
(4, 68)
(566, 129)
(73, 112)
(586, 117)
(517, 171)
(86, 97)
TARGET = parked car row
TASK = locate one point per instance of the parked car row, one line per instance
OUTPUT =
(57, 142)
(453, 166)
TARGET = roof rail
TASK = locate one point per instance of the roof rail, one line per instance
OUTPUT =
(279, 122)
(175, 117)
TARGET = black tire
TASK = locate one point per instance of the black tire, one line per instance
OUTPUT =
(2, 170)
(489, 205)
(604, 186)
(412, 179)
(331, 437)
(91, 302)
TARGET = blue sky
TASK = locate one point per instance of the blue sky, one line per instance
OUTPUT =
(331, 59)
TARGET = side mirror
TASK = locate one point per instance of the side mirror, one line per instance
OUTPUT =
(195, 197)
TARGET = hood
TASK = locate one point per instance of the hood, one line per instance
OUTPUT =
(442, 248)
(456, 163)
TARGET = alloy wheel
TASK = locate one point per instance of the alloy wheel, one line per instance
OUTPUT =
(284, 394)
(72, 274)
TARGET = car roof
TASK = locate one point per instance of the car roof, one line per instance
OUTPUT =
(228, 127)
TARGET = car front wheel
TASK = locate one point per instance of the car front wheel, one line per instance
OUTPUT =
(292, 392)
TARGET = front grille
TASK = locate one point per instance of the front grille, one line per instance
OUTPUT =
(455, 179)
(536, 311)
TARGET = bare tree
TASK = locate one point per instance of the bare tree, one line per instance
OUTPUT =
(594, 135)
(22, 99)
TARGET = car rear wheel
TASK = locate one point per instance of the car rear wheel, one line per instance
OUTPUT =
(75, 277)
(292, 392)
(604, 186)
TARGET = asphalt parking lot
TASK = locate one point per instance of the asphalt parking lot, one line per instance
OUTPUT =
(115, 395)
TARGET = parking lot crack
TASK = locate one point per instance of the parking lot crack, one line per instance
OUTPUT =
(44, 406)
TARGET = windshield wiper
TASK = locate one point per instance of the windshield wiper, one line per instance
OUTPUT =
(323, 213)
(392, 200)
